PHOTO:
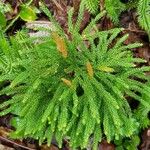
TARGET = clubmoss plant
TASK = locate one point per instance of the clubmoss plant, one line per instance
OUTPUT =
(70, 89)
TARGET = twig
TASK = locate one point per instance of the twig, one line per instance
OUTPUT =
(57, 5)
(14, 143)
(12, 22)
(138, 31)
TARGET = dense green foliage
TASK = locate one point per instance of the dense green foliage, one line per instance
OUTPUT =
(70, 89)
(115, 7)
(144, 14)
(128, 144)
(144, 112)
(91, 5)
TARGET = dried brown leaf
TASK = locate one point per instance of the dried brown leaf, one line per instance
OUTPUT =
(106, 146)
